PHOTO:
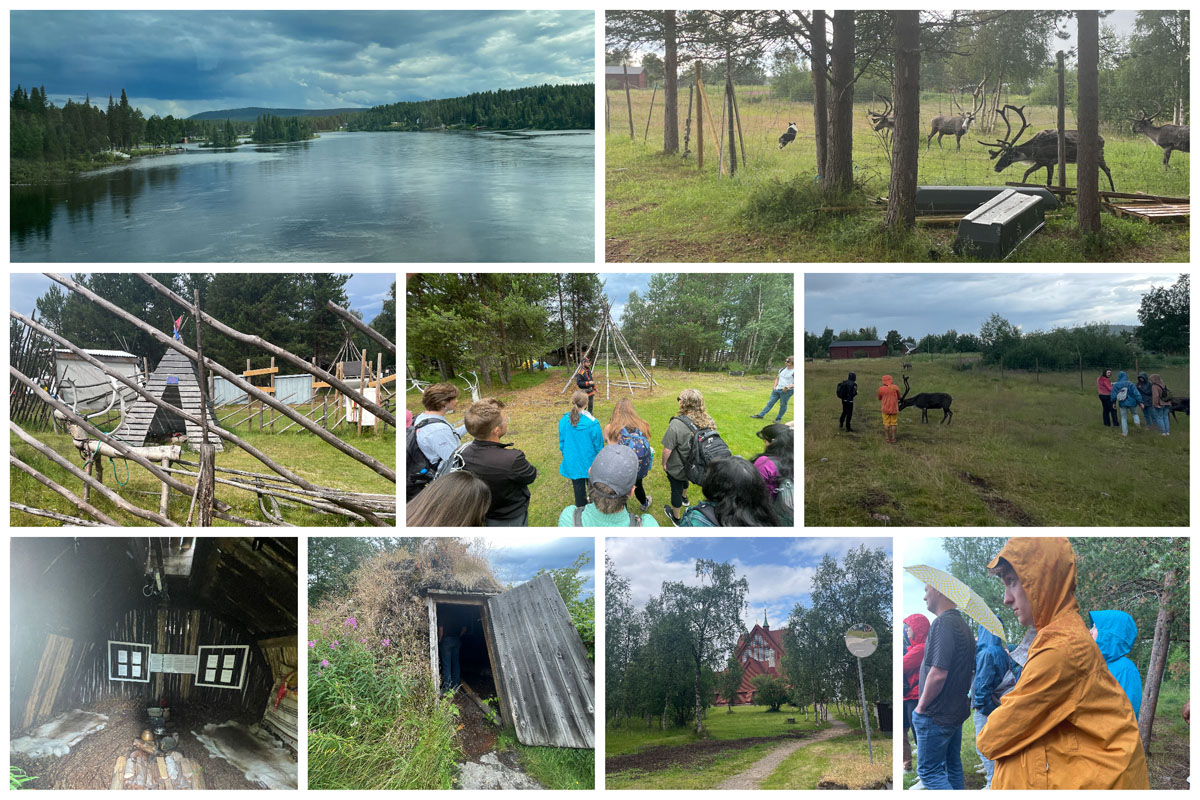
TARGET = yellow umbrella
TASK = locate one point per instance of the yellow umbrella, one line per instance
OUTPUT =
(964, 596)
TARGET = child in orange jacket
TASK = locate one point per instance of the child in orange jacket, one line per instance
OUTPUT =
(1068, 723)
(889, 406)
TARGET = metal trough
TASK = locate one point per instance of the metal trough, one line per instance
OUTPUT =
(998, 227)
(965, 199)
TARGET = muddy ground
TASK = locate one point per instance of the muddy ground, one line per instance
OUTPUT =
(658, 758)
(89, 765)
(476, 735)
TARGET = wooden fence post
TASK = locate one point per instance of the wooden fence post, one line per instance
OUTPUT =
(273, 394)
(249, 405)
(207, 489)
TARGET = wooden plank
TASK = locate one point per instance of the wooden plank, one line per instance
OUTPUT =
(118, 776)
(543, 674)
(388, 379)
(320, 385)
(264, 371)
(162, 771)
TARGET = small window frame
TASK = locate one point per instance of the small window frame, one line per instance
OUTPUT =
(141, 647)
(220, 650)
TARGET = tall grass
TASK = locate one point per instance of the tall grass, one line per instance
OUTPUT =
(1022, 449)
(661, 208)
(372, 726)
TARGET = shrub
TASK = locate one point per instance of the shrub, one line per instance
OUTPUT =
(770, 691)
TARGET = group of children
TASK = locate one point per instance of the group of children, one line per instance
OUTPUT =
(486, 482)
(1059, 711)
(1124, 398)
(889, 405)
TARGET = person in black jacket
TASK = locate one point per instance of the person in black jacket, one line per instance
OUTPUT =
(846, 390)
(501, 466)
(584, 380)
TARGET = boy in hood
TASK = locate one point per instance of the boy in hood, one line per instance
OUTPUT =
(1127, 405)
(846, 392)
(1115, 633)
(1068, 723)
(889, 406)
(993, 679)
(916, 629)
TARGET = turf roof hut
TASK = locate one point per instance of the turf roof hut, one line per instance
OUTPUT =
(520, 646)
(105, 628)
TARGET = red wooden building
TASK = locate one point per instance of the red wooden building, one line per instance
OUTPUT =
(614, 77)
(873, 349)
(761, 653)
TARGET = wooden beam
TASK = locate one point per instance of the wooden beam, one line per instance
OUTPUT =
(264, 371)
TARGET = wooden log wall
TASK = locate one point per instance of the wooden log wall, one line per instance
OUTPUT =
(282, 653)
(175, 631)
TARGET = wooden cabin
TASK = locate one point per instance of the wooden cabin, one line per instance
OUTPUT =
(154, 663)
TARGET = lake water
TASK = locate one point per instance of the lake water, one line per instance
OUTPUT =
(454, 196)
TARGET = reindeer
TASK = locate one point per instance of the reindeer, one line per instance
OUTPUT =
(1180, 404)
(956, 126)
(1168, 137)
(907, 366)
(926, 401)
(1042, 149)
(883, 121)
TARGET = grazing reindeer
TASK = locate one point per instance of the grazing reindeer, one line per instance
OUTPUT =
(926, 401)
(883, 121)
(1041, 150)
(1168, 137)
(956, 126)
(1180, 404)
(907, 366)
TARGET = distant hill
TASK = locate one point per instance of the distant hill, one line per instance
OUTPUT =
(253, 113)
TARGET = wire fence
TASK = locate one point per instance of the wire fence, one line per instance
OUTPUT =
(1135, 161)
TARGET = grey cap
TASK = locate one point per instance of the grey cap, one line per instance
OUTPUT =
(616, 466)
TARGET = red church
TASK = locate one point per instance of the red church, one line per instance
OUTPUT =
(761, 652)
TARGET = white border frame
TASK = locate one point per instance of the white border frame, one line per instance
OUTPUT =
(198, 681)
(145, 664)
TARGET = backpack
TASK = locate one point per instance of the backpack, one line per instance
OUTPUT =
(1164, 393)
(634, 520)
(418, 470)
(842, 391)
(637, 442)
(707, 447)
(1121, 395)
(707, 513)
(454, 462)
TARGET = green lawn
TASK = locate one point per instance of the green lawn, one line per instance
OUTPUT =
(299, 451)
(535, 404)
(661, 208)
(553, 767)
(743, 723)
(704, 775)
(1019, 451)
(845, 760)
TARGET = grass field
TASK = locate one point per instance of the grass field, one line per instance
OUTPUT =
(299, 451)
(661, 208)
(535, 405)
(844, 760)
(744, 722)
(1018, 452)
(553, 767)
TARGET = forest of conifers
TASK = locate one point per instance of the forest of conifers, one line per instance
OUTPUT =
(80, 134)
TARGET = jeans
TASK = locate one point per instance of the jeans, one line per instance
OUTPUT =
(449, 649)
(989, 766)
(1126, 413)
(1163, 416)
(847, 413)
(939, 756)
(1108, 414)
(782, 395)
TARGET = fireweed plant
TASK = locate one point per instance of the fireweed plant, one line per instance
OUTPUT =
(374, 723)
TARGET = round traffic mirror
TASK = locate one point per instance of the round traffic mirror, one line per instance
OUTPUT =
(861, 640)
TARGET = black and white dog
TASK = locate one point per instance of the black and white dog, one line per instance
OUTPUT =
(787, 136)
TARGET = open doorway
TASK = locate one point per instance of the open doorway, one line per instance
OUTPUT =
(475, 663)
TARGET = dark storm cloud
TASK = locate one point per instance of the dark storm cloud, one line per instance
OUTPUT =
(185, 62)
(921, 303)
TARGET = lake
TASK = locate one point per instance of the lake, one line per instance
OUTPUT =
(434, 196)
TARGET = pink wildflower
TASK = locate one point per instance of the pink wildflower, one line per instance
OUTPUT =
(386, 643)
(311, 644)
(333, 645)
(324, 662)
(351, 622)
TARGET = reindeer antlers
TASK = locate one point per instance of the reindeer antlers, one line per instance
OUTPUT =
(1144, 118)
(1008, 141)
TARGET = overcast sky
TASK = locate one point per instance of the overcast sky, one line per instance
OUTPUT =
(919, 303)
(517, 558)
(185, 62)
(366, 291)
(778, 570)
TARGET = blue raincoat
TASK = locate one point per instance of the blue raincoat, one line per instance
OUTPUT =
(1115, 634)
(1132, 398)
(992, 662)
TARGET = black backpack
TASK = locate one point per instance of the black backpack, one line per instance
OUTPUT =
(707, 447)
(418, 470)
(1163, 393)
(634, 520)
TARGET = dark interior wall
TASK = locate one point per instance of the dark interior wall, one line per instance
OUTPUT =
(183, 630)
(474, 661)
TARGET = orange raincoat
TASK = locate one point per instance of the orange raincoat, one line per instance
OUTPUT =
(1067, 724)
(889, 397)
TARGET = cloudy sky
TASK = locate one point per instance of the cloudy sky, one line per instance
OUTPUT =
(185, 62)
(517, 558)
(927, 551)
(779, 570)
(919, 303)
(366, 291)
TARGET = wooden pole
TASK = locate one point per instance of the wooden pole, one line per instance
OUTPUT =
(628, 100)
(607, 112)
(379, 387)
(153, 332)
(1062, 122)
(699, 120)
(708, 111)
(737, 114)
(273, 394)
(361, 326)
(653, 97)
(164, 495)
(249, 405)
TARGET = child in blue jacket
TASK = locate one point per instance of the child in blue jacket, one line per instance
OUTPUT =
(579, 440)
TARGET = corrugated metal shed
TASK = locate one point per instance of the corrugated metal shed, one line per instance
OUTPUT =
(294, 389)
(543, 671)
(225, 392)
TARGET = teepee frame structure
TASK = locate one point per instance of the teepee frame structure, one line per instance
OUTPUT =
(611, 341)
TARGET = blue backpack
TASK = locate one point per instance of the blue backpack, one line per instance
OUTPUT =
(637, 442)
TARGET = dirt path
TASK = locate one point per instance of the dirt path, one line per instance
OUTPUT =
(751, 778)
